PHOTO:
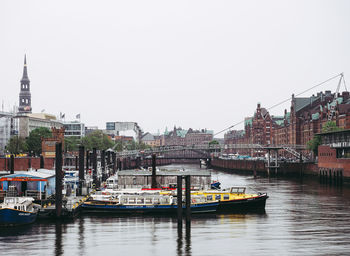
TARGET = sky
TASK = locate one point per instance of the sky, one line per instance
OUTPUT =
(198, 64)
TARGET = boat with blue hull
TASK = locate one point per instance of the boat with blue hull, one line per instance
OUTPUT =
(147, 204)
(17, 211)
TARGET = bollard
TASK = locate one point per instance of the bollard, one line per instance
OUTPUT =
(59, 178)
(81, 169)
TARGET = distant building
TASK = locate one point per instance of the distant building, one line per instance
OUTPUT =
(90, 129)
(8, 128)
(115, 129)
(151, 140)
(334, 152)
(74, 129)
(48, 145)
(306, 118)
(181, 137)
(29, 122)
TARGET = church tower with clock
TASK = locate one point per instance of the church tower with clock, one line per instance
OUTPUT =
(24, 95)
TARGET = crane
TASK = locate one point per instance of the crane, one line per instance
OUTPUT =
(334, 103)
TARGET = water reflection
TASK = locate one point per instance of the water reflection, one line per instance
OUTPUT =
(58, 240)
(180, 244)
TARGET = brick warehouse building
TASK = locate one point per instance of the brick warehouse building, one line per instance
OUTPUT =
(296, 127)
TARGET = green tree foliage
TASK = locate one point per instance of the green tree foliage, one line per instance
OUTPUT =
(213, 142)
(16, 145)
(98, 140)
(72, 144)
(330, 126)
(34, 139)
(314, 143)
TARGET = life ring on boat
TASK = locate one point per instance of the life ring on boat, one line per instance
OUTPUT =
(194, 201)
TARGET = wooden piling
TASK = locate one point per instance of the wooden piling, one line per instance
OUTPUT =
(42, 163)
(12, 164)
(87, 162)
(81, 169)
(188, 196)
(103, 165)
(154, 177)
(59, 178)
(179, 197)
(94, 166)
(114, 158)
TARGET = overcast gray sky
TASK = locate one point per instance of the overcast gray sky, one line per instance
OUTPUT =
(199, 64)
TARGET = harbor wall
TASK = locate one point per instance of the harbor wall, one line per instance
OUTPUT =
(24, 163)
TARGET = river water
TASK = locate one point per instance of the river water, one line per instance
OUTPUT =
(302, 217)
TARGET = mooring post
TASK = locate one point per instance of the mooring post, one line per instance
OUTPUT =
(42, 163)
(200, 164)
(188, 196)
(59, 178)
(179, 197)
(114, 159)
(103, 165)
(268, 162)
(154, 178)
(81, 169)
(12, 164)
(29, 163)
(108, 158)
(276, 162)
(87, 162)
(119, 164)
(94, 166)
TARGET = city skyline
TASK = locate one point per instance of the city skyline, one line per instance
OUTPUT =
(164, 65)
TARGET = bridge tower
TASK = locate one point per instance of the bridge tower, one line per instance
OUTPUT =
(24, 95)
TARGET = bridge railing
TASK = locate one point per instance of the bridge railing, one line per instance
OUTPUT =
(211, 148)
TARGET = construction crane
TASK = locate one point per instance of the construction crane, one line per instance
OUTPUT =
(334, 103)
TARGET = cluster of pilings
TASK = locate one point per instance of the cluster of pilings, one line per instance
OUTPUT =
(108, 162)
(331, 175)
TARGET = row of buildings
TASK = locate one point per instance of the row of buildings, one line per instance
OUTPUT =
(21, 121)
(179, 137)
(306, 117)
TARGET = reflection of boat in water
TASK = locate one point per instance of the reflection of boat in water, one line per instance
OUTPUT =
(235, 199)
(147, 203)
(17, 211)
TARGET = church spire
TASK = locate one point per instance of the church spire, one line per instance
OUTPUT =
(25, 100)
(25, 74)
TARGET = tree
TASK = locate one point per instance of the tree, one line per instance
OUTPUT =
(72, 143)
(98, 140)
(330, 126)
(34, 139)
(16, 145)
(313, 144)
(213, 142)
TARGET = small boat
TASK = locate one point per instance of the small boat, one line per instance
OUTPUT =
(215, 184)
(153, 204)
(235, 199)
(17, 211)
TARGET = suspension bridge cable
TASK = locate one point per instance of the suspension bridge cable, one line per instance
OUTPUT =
(284, 101)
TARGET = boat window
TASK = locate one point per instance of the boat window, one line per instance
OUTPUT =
(209, 197)
(217, 197)
(15, 207)
(226, 197)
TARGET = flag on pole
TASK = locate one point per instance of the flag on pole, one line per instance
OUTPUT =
(77, 116)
